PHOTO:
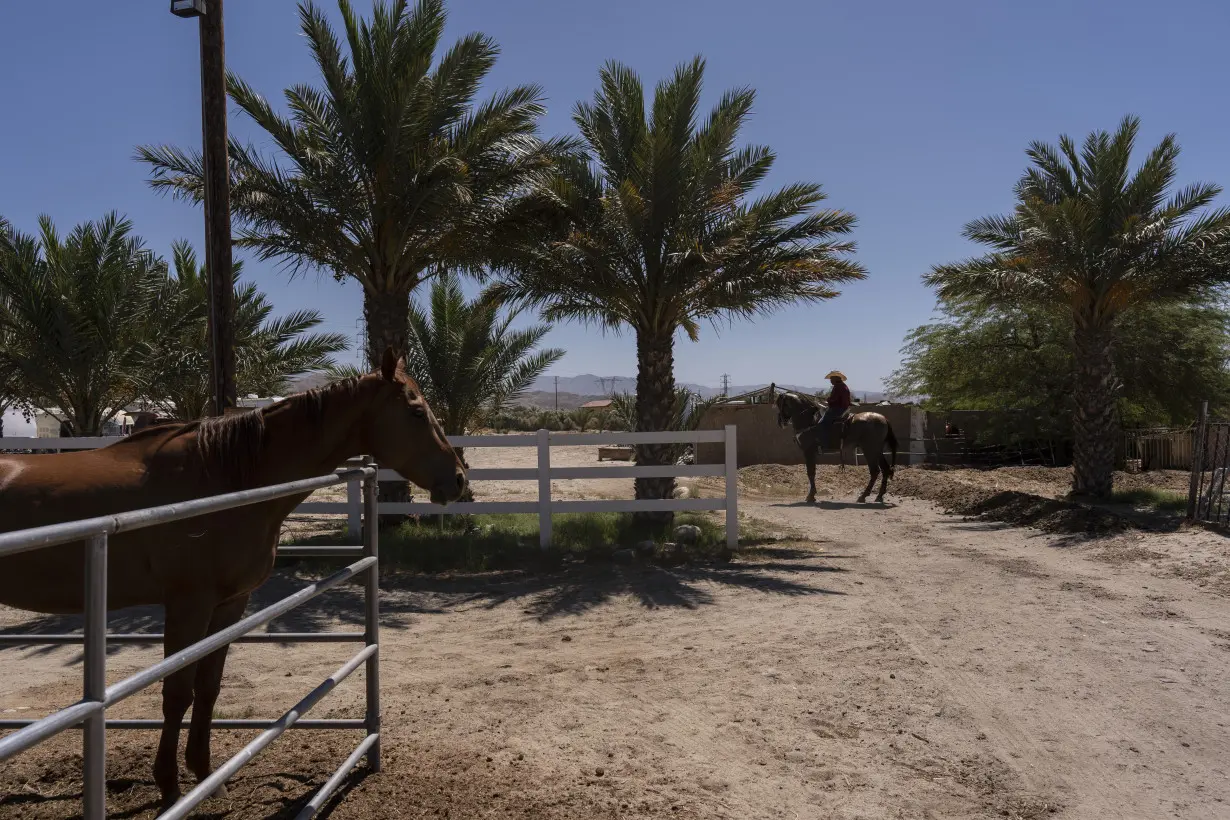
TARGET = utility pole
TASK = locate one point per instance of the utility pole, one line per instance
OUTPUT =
(218, 261)
(557, 393)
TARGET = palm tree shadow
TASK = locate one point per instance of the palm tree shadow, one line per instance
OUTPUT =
(551, 591)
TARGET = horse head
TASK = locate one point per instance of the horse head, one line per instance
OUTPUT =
(406, 436)
(788, 405)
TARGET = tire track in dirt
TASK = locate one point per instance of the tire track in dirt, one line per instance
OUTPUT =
(1082, 696)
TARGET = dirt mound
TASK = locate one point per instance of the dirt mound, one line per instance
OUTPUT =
(1020, 496)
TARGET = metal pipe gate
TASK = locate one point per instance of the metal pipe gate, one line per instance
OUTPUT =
(90, 712)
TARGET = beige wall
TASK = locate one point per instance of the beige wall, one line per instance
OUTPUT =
(761, 441)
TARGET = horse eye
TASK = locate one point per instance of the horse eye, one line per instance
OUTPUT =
(419, 411)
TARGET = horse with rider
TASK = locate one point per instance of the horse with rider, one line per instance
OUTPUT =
(817, 425)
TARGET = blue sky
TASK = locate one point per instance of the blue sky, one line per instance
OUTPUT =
(912, 115)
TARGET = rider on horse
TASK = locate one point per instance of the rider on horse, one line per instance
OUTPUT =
(838, 406)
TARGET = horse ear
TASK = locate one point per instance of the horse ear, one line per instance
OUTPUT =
(388, 366)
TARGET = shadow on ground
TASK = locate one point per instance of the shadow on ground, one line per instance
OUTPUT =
(549, 591)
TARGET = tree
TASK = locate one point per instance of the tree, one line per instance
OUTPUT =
(81, 317)
(388, 173)
(687, 411)
(268, 351)
(467, 358)
(1092, 238)
(1169, 357)
(662, 235)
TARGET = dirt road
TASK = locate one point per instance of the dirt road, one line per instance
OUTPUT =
(878, 663)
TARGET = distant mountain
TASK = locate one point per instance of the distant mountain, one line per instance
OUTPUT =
(589, 385)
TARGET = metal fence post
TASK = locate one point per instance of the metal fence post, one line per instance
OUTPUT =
(732, 487)
(544, 489)
(371, 626)
(1193, 493)
(94, 736)
(354, 509)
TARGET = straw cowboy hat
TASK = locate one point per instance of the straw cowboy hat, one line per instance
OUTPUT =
(836, 374)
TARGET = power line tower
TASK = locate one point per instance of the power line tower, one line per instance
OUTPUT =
(725, 384)
(557, 393)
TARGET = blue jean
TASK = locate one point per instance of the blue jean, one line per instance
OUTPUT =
(818, 434)
(831, 417)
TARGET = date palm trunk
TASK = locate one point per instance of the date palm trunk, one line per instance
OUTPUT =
(1095, 421)
(387, 316)
(655, 405)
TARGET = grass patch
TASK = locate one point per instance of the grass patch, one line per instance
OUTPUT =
(1152, 498)
(480, 543)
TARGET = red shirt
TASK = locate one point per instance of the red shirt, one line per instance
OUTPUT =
(840, 397)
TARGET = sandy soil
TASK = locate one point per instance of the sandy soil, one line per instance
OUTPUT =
(868, 662)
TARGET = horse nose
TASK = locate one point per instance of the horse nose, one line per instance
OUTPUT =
(462, 481)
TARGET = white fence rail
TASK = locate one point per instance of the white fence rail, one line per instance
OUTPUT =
(543, 473)
(90, 712)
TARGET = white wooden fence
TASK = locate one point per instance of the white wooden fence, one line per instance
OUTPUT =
(543, 473)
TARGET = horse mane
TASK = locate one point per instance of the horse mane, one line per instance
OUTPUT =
(232, 446)
(803, 398)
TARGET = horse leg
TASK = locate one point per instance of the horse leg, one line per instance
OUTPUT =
(186, 621)
(205, 691)
(885, 471)
(810, 457)
(873, 467)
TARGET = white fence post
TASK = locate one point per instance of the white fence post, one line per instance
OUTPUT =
(732, 487)
(544, 489)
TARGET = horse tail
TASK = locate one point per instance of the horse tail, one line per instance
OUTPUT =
(891, 438)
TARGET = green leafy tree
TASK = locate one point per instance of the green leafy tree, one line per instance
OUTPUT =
(388, 172)
(269, 351)
(662, 234)
(1168, 357)
(468, 359)
(1093, 239)
(81, 318)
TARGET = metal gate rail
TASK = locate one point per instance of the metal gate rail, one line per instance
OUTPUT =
(90, 712)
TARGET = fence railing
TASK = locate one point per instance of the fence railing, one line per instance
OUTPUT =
(1208, 499)
(90, 712)
(543, 473)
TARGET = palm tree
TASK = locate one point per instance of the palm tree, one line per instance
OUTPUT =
(663, 234)
(268, 351)
(1091, 237)
(389, 172)
(82, 317)
(467, 358)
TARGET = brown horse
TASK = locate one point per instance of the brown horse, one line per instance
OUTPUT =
(203, 569)
(866, 431)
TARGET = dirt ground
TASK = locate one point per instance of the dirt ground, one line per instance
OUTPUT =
(861, 662)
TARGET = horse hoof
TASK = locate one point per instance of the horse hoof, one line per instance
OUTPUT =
(220, 793)
(862, 499)
(811, 499)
